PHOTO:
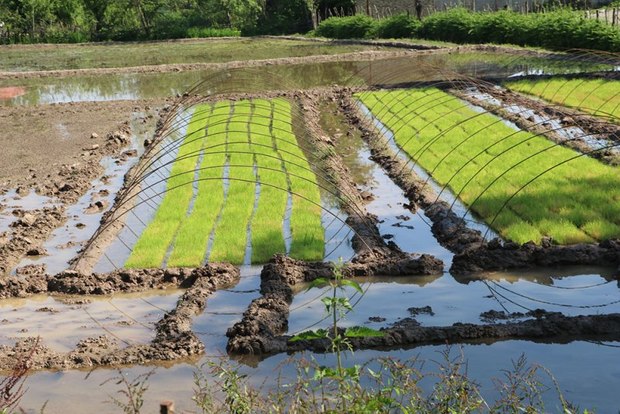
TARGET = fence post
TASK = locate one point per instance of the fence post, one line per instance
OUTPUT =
(166, 407)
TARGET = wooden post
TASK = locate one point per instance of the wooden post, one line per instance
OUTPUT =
(166, 407)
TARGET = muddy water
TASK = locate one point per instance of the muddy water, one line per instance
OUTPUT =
(13, 201)
(301, 76)
(62, 322)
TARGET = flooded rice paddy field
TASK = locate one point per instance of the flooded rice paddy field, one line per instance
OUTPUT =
(360, 194)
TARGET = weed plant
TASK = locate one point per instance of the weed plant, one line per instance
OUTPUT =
(522, 185)
(595, 96)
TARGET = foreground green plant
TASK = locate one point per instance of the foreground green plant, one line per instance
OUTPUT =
(524, 186)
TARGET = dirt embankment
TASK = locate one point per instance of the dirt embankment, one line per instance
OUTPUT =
(367, 236)
(546, 327)
(267, 317)
(174, 338)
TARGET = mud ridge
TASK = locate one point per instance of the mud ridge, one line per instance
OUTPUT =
(501, 256)
(174, 338)
(27, 234)
(546, 327)
(367, 236)
(266, 319)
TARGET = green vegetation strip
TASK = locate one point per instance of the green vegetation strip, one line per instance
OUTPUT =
(577, 200)
(595, 96)
(306, 228)
(254, 139)
(152, 246)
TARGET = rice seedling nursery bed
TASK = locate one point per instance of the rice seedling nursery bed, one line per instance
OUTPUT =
(600, 97)
(246, 163)
(523, 185)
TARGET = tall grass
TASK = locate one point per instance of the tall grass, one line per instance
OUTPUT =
(490, 165)
(151, 248)
(595, 96)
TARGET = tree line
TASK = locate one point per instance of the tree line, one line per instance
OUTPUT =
(32, 21)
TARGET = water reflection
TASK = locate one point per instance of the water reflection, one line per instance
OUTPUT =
(429, 67)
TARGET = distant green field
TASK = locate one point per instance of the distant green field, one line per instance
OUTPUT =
(489, 165)
(116, 55)
(242, 144)
(599, 97)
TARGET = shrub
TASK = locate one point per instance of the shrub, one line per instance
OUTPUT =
(455, 25)
(396, 27)
(351, 27)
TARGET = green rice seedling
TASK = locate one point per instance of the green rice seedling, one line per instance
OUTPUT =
(547, 189)
(230, 237)
(593, 96)
(308, 236)
(267, 223)
(151, 248)
(193, 236)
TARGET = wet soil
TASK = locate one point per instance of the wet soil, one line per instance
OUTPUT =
(173, 340)
(39, 140)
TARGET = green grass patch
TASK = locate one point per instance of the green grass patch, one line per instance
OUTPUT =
(500, 172)
(594, 96)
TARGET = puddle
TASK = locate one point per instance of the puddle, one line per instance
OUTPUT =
(444, 193)
(14, 201)
(552, 124)
(430, 67)
(61, 324)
